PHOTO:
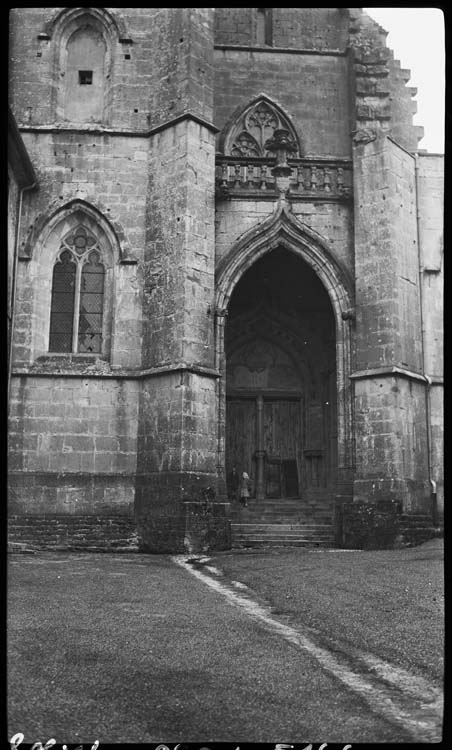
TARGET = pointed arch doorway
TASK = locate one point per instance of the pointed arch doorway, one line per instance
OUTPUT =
(281, 382)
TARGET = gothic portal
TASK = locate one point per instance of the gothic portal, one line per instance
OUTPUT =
(281, 381)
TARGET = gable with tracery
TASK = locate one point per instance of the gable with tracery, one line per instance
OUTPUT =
(248, 132)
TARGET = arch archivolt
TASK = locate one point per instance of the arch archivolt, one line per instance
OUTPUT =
(282, 229)
(92, 212)
(61, 19)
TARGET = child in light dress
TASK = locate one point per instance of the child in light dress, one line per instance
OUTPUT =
(244, 489)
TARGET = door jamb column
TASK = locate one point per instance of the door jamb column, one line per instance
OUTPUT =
(260, 453)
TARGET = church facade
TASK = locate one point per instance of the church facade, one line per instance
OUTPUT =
(229, 261)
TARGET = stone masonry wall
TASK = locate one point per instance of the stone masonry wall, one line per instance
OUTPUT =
(177, 435)
(73, 439)
(311, 89)
(104, 170)
(310, 28)
(430, 184)
(178, 273)
(13, 195)
(146, 82)
(177, 455)
(390, 408)
(386, 258)
(88, 533)
(111, 170)
(301, 28)
(72, 445)
(391, 446)
(179, 249)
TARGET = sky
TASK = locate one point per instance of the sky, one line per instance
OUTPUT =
(416, 35)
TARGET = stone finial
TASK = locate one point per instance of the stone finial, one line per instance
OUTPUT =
(282, 144)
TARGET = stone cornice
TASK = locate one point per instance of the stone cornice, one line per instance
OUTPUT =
(381, 372)
(184, 116)
(88, 371)
(89, 130)
(137, 374)
(124, 132)
(283, 50)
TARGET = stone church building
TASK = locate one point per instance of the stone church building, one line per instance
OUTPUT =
(225, 257)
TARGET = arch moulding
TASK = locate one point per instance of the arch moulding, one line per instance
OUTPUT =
(59, 209)
(282, 229)
(114, 23)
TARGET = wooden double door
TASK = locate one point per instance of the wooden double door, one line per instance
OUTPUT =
(263, 438)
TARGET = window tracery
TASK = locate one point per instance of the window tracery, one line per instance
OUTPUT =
(76, 317)
(256, 125)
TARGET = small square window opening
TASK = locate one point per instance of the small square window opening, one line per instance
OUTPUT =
(85, 77)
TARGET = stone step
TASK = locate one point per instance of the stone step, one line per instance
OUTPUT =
(283, 537)
(283, 512)
(286, 508)
(281, 540)
(301, 504)
(282, 527)
(280, 518)
(254, 534)
(283, 520)
(290, 508)
(284, 532)
(281, 543)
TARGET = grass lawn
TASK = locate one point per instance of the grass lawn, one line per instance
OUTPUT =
(390, 602)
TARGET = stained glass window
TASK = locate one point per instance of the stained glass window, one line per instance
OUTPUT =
(77, 305)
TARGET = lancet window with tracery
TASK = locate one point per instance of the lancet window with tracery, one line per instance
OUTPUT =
(77, 303)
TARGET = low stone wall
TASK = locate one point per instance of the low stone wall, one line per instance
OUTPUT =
(381, 525)
(416, 529)
(114, 533)
(199, 527)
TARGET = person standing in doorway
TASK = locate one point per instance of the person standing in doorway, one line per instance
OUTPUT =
(244, 489)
